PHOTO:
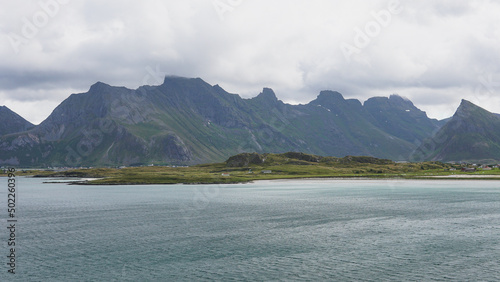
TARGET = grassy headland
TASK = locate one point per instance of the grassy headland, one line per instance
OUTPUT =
(248, 167)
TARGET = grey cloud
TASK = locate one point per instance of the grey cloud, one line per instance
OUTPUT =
(427, 52)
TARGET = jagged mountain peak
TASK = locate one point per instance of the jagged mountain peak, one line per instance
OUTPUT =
(392, 100)
(176, 80)
(100, 84)
(169, 78)
(11, 122)
(472, 134)
(267, 94)
(465, 104)
(187, 88)
(99, 90)
(328, 98)
(98, 87)
(5, 110)
(468, 110)
(329, 94)
(398, 116)
(398, 97)
(376, 102)
(267, 98)
(217, 87)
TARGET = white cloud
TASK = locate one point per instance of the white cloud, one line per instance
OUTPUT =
(435, 53)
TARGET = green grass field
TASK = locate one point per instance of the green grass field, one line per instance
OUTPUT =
(249, 167)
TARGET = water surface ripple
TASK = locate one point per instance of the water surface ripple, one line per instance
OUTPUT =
(337, 230)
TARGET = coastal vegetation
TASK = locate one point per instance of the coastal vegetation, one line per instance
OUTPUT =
(249, 167)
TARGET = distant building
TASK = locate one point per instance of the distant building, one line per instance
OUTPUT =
(468, 169)
(266, 171)
(225, 174)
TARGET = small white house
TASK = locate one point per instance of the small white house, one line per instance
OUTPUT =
(225, 174)
(266, 171)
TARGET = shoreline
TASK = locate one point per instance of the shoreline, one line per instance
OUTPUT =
(460, 177)
(466, 177)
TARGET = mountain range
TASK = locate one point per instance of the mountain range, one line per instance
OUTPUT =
(187, 121)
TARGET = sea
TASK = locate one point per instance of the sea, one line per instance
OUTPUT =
(283, 230)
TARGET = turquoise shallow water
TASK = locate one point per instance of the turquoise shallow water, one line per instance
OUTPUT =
(355, 230)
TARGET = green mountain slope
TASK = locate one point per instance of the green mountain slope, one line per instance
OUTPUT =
(187, 121)
(473, 134)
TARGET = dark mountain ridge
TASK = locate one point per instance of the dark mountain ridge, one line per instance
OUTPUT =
(399, 117)
(12, 122)
(188, 121)
(472, 134)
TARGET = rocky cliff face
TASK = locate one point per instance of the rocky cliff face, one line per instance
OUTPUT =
(187, 121)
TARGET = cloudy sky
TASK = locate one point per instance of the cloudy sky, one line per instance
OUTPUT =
(433, 52)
